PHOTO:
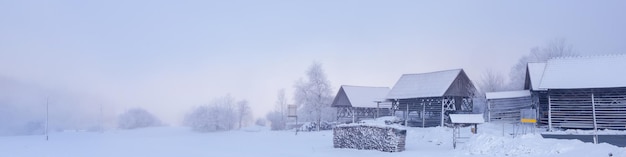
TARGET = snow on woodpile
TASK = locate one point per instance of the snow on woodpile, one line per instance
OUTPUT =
(376, 134)
(386, 139)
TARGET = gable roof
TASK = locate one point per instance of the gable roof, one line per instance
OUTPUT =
(585, 72)
(432, 84)
(360, 96)
(535, 72)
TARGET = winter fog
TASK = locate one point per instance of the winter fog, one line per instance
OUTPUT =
(173, 63)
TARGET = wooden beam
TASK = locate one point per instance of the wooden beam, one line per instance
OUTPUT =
(549, 112)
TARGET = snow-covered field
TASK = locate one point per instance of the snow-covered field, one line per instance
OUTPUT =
(257, 141)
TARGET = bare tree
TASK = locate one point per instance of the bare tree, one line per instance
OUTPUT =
(491, 81)
(281, 105)
(244, 113)
(553, 49)
(314, 95)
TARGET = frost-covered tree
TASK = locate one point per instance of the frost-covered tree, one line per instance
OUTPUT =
(244, 113)
(137, 118)
(314, 96)
(202, 119)
(554, 48)
(228, 115)
(220, 115)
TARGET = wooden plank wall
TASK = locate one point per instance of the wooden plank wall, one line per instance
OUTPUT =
(432, 109)
(572, 109)
(540, 102)
(507, 109)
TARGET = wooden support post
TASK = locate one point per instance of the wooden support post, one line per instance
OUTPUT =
(442, 110)
(406, 115)
(352, 110)
(377, 109)
(549, 112)
(475, 128)
(394, 107)
(488, 111)
(423, 115)
(454, 136)
(595, 125)
(297, 125)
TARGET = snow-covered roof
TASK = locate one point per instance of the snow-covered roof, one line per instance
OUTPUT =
(535, 72)
(585, 72)
(467, 118)
(361, 96)
(433, 84)
(507, 94)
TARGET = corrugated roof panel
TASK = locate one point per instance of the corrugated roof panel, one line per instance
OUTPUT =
(585, 72)
(361, 96)
(433, 84)
(535, 71)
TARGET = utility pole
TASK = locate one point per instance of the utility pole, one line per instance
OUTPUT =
(101, 120)
(47, 108)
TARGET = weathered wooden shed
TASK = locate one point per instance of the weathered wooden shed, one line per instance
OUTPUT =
(432, 96)
(358, 102)
(505, 106)
(586, 92)
(539, 97)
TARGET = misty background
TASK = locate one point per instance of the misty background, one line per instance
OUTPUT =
(169, 56)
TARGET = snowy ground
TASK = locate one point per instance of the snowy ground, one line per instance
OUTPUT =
(172, 141)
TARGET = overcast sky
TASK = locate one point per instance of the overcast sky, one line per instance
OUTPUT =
(168, 56)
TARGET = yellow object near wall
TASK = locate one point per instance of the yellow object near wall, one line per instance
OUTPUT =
(529, 120)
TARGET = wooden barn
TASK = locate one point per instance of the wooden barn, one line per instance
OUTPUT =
(358, 102)
(431, 97)
(539, 97)
(505, 106)
(586, 92)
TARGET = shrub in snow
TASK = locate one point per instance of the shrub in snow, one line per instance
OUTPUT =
(137, 118)
(312, 126)
(260, 122)
(382, 138)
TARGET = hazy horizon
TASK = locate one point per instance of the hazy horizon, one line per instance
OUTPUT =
(168, 56)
